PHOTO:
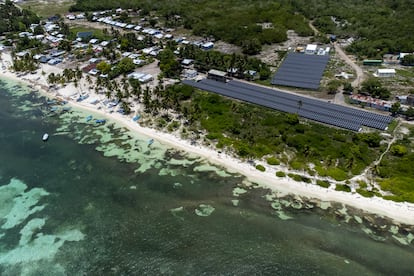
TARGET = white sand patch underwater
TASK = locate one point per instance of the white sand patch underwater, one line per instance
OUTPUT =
(18, 204)
(43, 247)
(204, 210)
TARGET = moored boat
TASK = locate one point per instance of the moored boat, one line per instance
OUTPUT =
(100, 121)
(45, 137)
(136, 118)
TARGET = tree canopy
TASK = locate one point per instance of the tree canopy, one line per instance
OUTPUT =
(374, 88)
(12, 19)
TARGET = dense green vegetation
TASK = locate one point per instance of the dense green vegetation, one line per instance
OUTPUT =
(12, 19)
(396, 170)
(374, 88)
(379, 26)
(254, 132)
(408, 60)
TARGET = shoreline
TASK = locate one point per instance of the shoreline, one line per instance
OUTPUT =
(398, 212)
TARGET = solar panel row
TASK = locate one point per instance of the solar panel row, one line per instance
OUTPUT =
(300, 70)
(363, 117)
(320, 111)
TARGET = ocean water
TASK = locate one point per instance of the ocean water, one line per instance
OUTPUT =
(98, 200)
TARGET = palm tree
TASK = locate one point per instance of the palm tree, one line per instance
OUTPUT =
(147, 98)
(88, 79)
(108, 94)
(51, 78)
(75, 83)
(125, 106)
(136, 91)
(300, 103)
(78, 73)
(66, 74)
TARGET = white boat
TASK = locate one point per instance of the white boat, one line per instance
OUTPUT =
(45, 137)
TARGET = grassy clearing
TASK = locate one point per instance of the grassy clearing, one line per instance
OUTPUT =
(392, 126)
(407, 73)
(97, 33)
(45, 9)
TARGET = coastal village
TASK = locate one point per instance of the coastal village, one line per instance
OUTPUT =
(91, 55)
(118, 69)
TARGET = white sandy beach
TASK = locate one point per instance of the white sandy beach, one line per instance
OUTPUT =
(399, 212)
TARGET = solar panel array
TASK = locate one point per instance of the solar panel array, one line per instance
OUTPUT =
(317, 110)
(302, 71)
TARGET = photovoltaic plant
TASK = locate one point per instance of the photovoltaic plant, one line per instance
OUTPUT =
(313, 109)
(301, 70)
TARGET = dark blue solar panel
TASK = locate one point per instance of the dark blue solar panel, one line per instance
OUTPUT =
(317, 110)
(300, 70)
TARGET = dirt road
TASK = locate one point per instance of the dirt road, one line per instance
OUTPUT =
(358, 70)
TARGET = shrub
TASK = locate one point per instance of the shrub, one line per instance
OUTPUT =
(214, 136)
(372, 139)
(365, 193)
(343, 188)
(398, 150)
(295, 177)
(273, 161)
(337, 174)
(401, 187)
(306, 179)
(260, 168)
(280, 174)
(161, 122)
(173, 126)
(362, 184)
(323, 183)
(296, 165)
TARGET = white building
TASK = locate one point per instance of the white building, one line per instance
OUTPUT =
(385, 73)
(311, 49)
(141, 77)
(187, 62)
(138, 61)
(207, 46)
(190, 73)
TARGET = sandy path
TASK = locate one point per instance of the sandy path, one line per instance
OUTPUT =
(360, 77)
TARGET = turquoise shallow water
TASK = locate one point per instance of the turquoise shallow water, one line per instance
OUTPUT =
(96, 200)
